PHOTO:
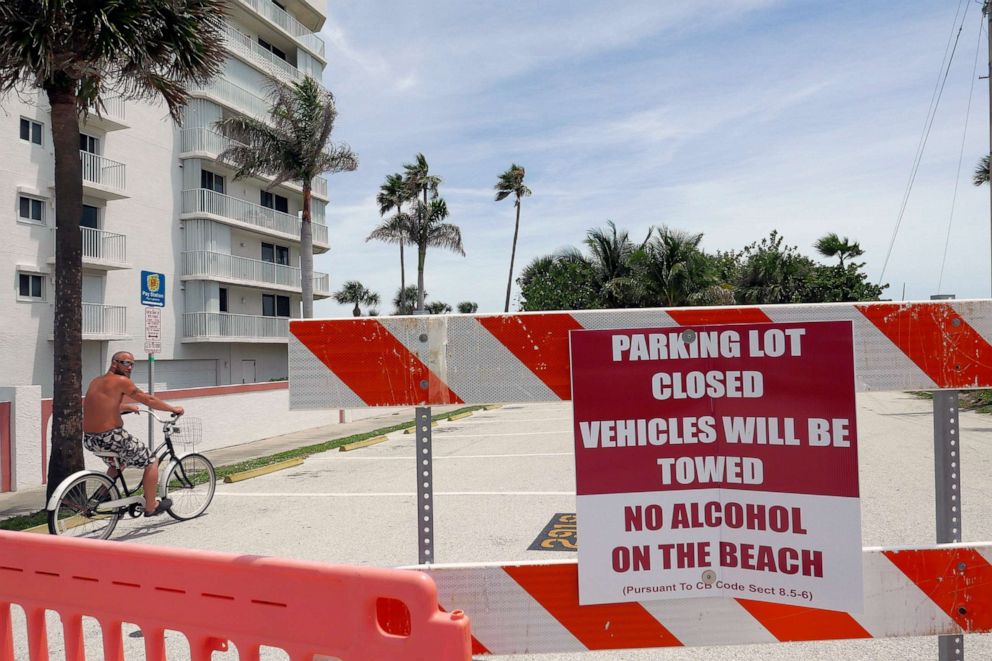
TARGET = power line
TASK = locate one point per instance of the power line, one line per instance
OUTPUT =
(964, 135)
(928, 124)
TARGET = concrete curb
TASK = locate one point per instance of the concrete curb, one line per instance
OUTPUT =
(361, 444)
(461, 415)
(264, 470)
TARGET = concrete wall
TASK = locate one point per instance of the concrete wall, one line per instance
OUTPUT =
(228, 415)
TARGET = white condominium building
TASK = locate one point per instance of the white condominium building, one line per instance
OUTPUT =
(156, 199)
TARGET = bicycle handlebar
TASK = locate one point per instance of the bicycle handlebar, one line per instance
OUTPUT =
(173, 416)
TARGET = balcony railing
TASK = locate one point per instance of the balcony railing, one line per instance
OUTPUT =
(205, 141)
(319, 186)
(202, 200)
(233, 326)
(243, 45)
(113, 108)
(104, 246)
(238, 98)
(102, 171)
(208, 264)
(104, 320)
(293, 27)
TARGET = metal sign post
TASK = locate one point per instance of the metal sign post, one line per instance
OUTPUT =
(425, 464)
(947, 487)
(153, 298)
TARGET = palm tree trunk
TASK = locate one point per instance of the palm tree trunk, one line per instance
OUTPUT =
(402, 268)
(513, 254)
(421, 258)
(67, 410)
(306, 253)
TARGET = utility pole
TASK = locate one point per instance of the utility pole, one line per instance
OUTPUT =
(987, 10)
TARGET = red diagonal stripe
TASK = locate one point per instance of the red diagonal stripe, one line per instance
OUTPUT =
(958, 580)
(791, 623)
(373, 363)
(937, 339)
(600, 627)
(540, 342)
(692, 317)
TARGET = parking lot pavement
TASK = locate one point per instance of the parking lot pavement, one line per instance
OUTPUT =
(500, 475)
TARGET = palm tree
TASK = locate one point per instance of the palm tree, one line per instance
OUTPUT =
(427, 228)
(611, 254)
(393, 194)
(419, 180)
(79, 53)
(355, 292)
(405, 300)
(509, 183)
(676, 272)
(468, 307)
(395, 229)
(437, 307)
(293, 146)
(981, 175)
(831, 245)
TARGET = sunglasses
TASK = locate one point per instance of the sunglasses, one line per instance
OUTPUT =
(125, 363)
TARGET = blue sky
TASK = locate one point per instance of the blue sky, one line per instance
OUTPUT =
(731, 118)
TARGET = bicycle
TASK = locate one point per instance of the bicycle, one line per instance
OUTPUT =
(89, 503)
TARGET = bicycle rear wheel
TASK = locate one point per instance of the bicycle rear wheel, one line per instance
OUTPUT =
(77, 512)
(191, 484)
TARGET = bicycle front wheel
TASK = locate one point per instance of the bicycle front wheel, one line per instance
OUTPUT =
(191, 484)
(79, 512)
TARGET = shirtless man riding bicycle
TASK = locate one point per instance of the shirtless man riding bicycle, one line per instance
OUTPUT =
(103, 428)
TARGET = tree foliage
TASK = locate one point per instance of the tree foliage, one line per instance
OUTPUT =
(670, 269)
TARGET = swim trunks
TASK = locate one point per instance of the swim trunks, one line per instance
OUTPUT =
(131, 451)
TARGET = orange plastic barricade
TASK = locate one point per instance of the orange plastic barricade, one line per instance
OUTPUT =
(304, 608)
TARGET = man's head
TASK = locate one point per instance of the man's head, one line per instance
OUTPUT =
(122, 363)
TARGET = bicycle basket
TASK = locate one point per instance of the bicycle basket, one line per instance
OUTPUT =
(186, 434)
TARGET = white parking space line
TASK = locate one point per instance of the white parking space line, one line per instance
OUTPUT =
(453, 456)
(388, 494)
(443, 434)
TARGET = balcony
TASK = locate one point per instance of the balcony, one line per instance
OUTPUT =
(207, 265)
(102, 177)
(245, 47)
(204, 143)
(104, 322)
(225, 327)
(105, 251)
(111, 116)
(299, 32)
(252, 217)
(236, 98)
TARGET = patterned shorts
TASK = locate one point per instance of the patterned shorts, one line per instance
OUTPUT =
(131, 451)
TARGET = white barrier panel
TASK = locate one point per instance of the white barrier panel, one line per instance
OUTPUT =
(533, 607)
(452, 359)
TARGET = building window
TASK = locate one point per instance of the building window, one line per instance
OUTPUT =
(277, 202)
(89, 144)
(91, 217)
(223, 299)
(211, 181)
(30, 287)
(275, 254)
(275, 306)
(272, 49)
(279, 5)
(30, 131)
(31, 209)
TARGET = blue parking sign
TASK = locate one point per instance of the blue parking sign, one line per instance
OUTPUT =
(153, 289)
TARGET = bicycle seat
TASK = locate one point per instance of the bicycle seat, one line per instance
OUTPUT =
(109, 455)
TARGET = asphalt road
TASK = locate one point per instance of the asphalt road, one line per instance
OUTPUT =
(500, 475)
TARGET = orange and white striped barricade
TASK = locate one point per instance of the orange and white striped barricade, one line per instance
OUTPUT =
(533, 607)
(524, 357)
(303, 608)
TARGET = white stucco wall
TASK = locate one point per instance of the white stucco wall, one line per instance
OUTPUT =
(25, 434)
